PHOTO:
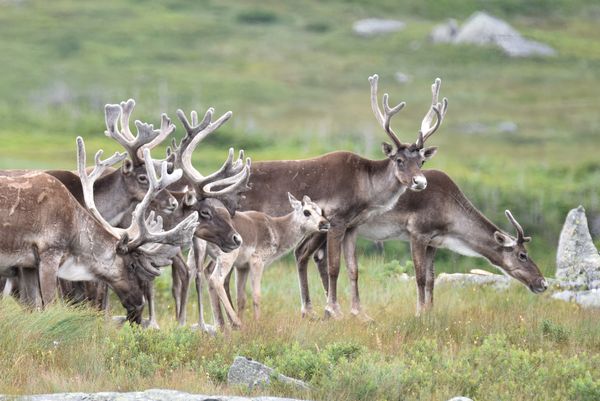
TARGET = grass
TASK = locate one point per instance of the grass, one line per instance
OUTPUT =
(295, 78)
(477, 342)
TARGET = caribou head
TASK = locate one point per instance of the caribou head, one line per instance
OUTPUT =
(514, 259)
(408, 158)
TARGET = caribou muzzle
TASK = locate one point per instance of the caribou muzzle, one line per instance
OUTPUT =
(418, 183)
(539, 286)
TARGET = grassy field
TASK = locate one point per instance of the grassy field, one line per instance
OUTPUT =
(296, 79)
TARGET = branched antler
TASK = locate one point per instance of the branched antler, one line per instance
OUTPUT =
(437, 110)
(385, 118)
(147, 137)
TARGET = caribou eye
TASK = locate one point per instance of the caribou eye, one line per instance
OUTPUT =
(205, 214)
(522, 256)
(400, 162)
(142, 179)
(306, 213)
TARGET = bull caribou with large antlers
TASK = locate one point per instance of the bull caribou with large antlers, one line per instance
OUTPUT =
(350, 188)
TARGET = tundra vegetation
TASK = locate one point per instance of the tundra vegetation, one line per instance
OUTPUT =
(295, 78)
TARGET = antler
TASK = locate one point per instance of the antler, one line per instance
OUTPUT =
(437, 110)
(520, 234)
(149, 230)
(147, 137)
(385, 117)
(87, 181)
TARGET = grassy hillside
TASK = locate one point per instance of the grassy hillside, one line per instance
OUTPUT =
(296, 79)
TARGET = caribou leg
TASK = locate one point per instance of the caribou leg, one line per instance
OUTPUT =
(181, 275)
(349, 246)
(257, 267)
(149, 295)
(216, 282)
(29, 288)
(320, 258)
(240, 283)
(335, 236)
(302, 253)
(430, 276)
(422, 255)
(48, 270)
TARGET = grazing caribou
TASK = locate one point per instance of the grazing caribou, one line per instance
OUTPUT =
(349, 188)
(442, 217)
(266, 239)
(44, 228)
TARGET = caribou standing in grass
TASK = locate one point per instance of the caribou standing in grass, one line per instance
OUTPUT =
(349, 188)
(441, 216)
(46, 229)
(266, 239)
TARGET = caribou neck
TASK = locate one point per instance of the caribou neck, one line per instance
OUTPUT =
(288, 231)
(112, 198)
(382, 186)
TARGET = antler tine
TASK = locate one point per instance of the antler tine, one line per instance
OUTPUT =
(384, 118)
(88, 180)
(187, 149)
(148, 230)
(520, 233)
(193, 128)
(166, 129)
(437, 110)
(229, 184)
(127, 108)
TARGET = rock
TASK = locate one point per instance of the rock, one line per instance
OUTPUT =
(555, 284)
(246, 372)
(402, 78)
(444, 33)
(460, 398)
(154, 395)
(481, 272)
(497, 281)
(474, 128)
(376, 26)
(482, 29)
(577, 259)
(586, 299)
(507, 127)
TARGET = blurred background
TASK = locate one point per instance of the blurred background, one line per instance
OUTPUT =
(521, 133)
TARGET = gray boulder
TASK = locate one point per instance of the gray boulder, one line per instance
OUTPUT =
(586, 299)
(460, 398)
(246, 372)
(154, 395)
(577, 259)
(376, 26)
(483, 29)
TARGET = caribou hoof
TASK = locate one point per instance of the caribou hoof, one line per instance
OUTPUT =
(362, 316)
(119, 320)
(333, 312)
(309, 314)
(150, 324)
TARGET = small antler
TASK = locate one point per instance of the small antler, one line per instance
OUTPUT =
(521, 238)
(437, 110)
(385, 118)
(88, 180)
(147, 137)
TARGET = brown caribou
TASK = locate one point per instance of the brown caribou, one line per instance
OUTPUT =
(349, 188)
(441, 216)
(46, 229)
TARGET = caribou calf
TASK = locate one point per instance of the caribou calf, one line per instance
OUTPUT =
(266, 239)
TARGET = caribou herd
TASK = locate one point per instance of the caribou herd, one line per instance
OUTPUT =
(79, 234)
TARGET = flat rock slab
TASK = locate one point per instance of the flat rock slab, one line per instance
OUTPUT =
(376, 26)
(246, 372)
(585, 299)
(497, 281)
(150, 395)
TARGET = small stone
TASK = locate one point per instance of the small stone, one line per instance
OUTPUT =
(246, 372)
(507, 127)
(460, 398)
(376, 26)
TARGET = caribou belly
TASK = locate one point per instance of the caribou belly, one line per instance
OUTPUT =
(73, 271)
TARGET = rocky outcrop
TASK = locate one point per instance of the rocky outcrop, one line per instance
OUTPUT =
(483, 30)
(585, 299)
(154, 395)
(577, 259)
(376, 26)
(246, 372)
(496, 281)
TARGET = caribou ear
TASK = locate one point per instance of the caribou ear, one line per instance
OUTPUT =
(387, 149)
(189, 199)
(306, 199)
(504, 240)
(428, 153)
(127, 167)
(122, 248)
(296, 204)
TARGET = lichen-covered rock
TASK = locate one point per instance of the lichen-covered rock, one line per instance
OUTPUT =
(246, 372)
(376, 26)
(586, 299)
(153, 395)
(577, 259)
(497, 281)
(444, 33)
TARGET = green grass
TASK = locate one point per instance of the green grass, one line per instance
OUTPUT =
(477, 342)
(296, 80)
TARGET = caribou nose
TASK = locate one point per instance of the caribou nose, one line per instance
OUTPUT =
(324, 226)
(173, 203)
(237, 239)
(419, 182)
